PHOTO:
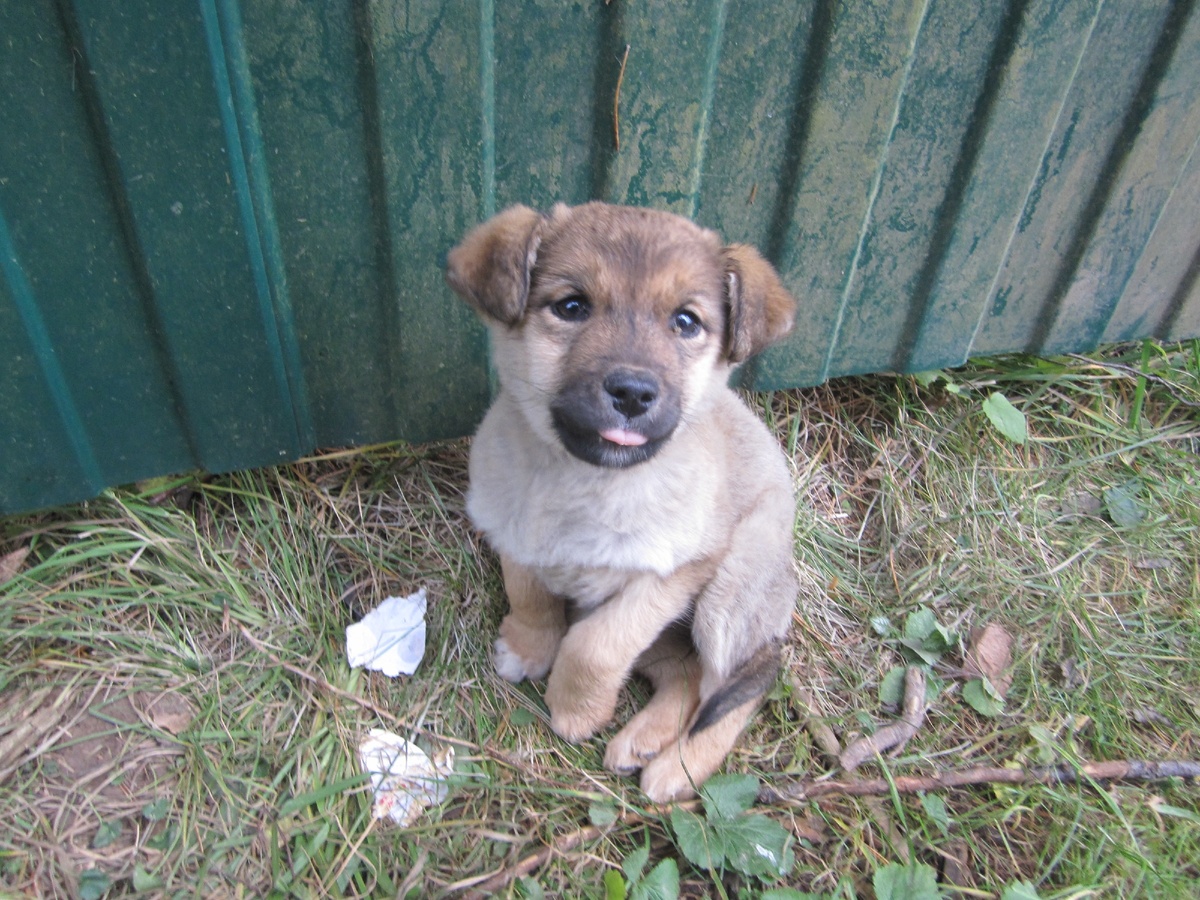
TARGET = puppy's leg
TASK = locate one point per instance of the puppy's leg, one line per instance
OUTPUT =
(724, 711)
(673, 668)
(532, 630)
(599, 651)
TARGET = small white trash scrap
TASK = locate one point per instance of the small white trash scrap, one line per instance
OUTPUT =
(391, 637)
(404, 779)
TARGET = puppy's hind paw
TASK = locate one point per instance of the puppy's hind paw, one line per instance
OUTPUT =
(639, 742)
(511, 666)
(665, 779)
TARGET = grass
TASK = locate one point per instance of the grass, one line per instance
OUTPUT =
(177, 716)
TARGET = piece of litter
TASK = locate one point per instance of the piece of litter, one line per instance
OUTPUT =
(405, 780)
(391, 637)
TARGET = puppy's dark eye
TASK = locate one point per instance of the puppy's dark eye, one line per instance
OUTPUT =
(575, 308)
(686, 323)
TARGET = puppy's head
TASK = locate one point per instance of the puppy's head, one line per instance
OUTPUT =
(611, 324)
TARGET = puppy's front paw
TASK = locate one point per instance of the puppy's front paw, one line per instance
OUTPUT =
(524, 652)
(509, 665)
(577, 709)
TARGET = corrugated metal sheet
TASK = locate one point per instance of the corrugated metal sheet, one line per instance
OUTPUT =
(222, 224)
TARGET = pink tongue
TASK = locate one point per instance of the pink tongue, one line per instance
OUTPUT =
(623, 437)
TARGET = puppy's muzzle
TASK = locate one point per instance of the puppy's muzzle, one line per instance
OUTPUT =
(616, 419)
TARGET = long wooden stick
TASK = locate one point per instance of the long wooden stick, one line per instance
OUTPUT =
(1117, 770)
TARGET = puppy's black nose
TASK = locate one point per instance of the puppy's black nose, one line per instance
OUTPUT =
(632, 392)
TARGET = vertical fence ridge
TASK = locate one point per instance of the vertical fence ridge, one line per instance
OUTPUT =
(269, 292)
(278, 316)
(1020, 214)
(805, 86)
(131, 244)
(487, 105)
(610, 46)
(51, 368)
(950, 209)
(873, 196)
(711, 65)
(1114, 162)
(382, 249)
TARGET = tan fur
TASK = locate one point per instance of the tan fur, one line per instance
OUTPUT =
(672, 556)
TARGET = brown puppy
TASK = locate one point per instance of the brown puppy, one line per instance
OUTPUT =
(642, 514)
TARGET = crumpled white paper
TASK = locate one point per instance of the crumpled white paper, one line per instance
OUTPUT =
(391, 637)
(405, 780)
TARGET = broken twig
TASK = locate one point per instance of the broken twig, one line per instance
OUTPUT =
(897, 734)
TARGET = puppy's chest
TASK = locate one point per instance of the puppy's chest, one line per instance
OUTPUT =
(569, 523)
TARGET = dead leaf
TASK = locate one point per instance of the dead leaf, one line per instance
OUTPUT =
(167, 711)
(1081, 503)
(1153, 562)
(956, 865)
(1144, 715)
(1071, 676)
(10, 564)
(989, 655)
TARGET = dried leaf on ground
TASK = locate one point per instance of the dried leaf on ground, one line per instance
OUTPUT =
(168, 711)
(1081, 503)
(989, 655)
(10, 564)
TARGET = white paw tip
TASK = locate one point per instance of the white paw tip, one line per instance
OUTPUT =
(509, 665)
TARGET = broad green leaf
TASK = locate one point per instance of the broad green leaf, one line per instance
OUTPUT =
(925, 379)
(143, 880)
(635, 862)
(602, 814)
(531, 889)
(614, 885)
(699, 843)
(521, 716)
(941, 638)
(792, 894)
(1021, 890)
(981, 697)
(911, 882)
(1009, 420)
(891, 689)
(920, 624)
(106, 834)
(1122, 504)
(881, 625)
(758, 846)
(935, 808)
(661, 884)
(156, 810)
(728, 796)
(93, 884)
(920, 651)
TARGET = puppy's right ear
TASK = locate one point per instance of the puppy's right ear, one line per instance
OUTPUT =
(490, 268)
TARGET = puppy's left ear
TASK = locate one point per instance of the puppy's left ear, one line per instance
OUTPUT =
(761, 311)
(490, 268)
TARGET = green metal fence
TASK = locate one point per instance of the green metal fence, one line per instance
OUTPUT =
(222, 222)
